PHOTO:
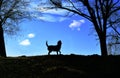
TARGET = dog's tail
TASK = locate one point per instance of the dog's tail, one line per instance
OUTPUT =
(46, 43)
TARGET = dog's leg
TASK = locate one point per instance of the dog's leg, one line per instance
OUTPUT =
(60, 52)
(49, 52)
(57, 52)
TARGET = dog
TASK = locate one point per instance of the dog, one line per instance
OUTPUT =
(55, 48)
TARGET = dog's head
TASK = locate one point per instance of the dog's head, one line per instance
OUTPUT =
(59, 42)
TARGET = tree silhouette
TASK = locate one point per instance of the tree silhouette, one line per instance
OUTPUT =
(11, 13)
(113, 36)
(99, 12)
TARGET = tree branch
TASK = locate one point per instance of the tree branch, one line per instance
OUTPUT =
(115, 30)
(98, 15)
(71, 10)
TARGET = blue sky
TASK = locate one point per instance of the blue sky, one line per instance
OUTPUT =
(51, 26)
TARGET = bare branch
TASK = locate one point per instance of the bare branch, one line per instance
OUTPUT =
(71, 10)
(115, 30)
(98, 14)
(12, 12)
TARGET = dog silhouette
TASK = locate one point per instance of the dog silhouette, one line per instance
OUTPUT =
(55, 48)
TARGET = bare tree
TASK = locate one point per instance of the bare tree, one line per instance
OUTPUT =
(113, 45)
(11, 13)
(98, 12)
(113, 35)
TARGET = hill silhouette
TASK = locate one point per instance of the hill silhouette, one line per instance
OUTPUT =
(60, 66)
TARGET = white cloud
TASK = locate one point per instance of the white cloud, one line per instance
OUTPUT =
(44, 13)
(57, 11)
(43, 6)
(47, 18)
(25, 42)
(62, 19)
(76, 24)
(31, 35)
(50, 18)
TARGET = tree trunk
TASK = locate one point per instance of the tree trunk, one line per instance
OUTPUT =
(2, 43)
(103, 45)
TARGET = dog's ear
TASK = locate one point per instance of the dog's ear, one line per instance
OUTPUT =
(59, 42)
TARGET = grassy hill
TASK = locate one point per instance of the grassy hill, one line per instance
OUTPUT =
(61, 66)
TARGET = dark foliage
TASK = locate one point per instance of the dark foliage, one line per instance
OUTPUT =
(60, 66)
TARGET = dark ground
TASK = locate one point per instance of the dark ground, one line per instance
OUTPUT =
(61, 66)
